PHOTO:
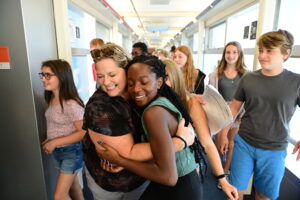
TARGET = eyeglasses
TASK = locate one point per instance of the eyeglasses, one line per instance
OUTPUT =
(47, 76)
(105, 53)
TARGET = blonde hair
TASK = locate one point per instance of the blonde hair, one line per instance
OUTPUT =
(240, 64)
(164, 53)
(175, 76)
(281, 38)
(113, 51)
(188, 69)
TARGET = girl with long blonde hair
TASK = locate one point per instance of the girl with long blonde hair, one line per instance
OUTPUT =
(193, 78)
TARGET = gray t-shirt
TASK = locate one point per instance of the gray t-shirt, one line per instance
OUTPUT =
(270, 102)
(227, 87)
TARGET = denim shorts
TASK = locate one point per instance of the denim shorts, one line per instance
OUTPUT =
(68, 159)
(267, 166)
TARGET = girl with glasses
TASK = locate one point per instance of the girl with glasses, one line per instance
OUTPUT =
(64, 127)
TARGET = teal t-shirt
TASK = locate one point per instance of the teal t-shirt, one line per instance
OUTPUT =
(185, 160)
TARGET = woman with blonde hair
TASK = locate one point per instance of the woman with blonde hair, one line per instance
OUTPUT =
(193, 78)
(163, 54)
(198, 116)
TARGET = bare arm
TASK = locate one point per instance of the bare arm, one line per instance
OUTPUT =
(200, 123)
(141, 151)
(163, 168)
(235, 107)
(297, 148)
(50, 145)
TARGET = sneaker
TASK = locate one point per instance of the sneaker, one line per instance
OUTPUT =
(227, 177)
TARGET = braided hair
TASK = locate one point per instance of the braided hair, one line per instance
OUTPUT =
(159, 68)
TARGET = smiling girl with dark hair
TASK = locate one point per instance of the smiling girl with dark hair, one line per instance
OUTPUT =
(64, 121)
(161, 109)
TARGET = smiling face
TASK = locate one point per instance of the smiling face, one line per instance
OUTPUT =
(143, 84)
(53, 83)
(180, 58)
(231, 55)
(271, 59)
(111, 77)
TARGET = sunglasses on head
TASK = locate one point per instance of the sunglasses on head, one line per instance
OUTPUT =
(105, 53)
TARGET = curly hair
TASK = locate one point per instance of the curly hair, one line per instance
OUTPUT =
(157, 67)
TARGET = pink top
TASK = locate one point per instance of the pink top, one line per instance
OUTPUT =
(61, 123)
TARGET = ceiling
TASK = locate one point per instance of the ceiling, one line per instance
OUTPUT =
(158, 21)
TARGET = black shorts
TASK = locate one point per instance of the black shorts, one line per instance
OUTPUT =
(187, 187)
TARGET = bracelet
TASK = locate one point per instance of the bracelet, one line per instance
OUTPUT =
(221, 176)
(183, 140)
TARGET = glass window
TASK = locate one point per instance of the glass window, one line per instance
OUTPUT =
(190, 42)
(292, 64)
(288, 13)
(80, 75)
(102, 32)
(125, 43)
(216, 35)
(211, 62)
(195, 42)
(240, 25)
(119, 39)
(249, 59)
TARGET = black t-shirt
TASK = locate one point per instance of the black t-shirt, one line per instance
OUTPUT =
(199, 85)
(110, 116)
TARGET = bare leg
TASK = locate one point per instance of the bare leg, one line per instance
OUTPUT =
(260, 196)
(230, 136)
(64, 182)
(75, 190)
